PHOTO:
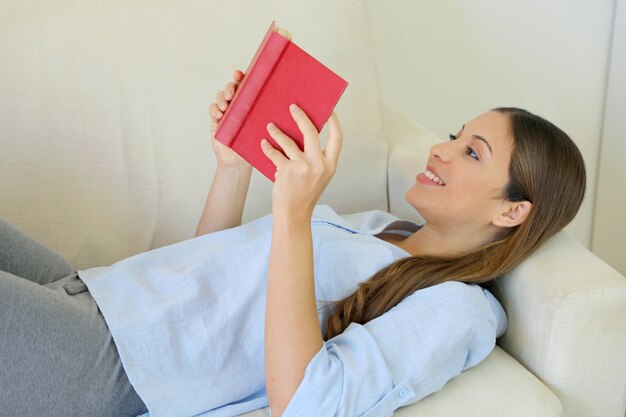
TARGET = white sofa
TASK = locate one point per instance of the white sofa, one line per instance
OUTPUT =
(105, 153)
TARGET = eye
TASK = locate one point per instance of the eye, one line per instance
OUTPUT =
(469, 151)
(452, 137)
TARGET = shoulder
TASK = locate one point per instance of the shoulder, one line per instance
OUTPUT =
(462, 300)
(452, 305)
(452, 291)
(448, 322)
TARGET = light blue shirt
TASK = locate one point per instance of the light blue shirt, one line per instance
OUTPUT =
(188, 322)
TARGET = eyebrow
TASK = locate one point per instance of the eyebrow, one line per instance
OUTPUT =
(480, 138)
(484, 140)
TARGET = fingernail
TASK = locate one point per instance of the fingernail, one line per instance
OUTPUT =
(271, 125)
(294, 108)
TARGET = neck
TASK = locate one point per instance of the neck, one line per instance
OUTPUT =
(433, 241)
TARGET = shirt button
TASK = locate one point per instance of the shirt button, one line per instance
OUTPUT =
(404, 392)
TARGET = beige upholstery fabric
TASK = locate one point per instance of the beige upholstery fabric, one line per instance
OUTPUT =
(105, 153)
(567, 322)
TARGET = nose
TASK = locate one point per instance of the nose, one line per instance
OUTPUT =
(441, 151)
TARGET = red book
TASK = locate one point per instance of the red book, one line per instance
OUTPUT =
(280, 74)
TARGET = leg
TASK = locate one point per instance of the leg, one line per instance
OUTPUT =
(25, 257)
(58, 357)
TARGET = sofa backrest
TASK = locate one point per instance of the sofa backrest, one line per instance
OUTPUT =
(104, 118)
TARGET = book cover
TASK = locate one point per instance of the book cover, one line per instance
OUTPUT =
(280, 73)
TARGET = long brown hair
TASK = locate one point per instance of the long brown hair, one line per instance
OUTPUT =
(546, 169)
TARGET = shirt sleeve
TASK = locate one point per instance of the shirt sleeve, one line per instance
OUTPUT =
(400, 357)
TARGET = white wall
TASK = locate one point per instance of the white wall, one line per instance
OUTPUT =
(445, 62)
(609, 231)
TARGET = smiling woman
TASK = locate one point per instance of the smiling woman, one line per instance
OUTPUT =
(108, 158)
(340, 315)
(488, 199)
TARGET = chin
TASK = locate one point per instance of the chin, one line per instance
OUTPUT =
(427, 205)
(412, 197)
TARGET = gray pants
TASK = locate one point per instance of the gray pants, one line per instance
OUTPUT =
(57, 357)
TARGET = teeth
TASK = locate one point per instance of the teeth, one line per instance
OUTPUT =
(433, 177)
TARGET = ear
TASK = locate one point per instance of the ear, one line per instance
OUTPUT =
(513, 214)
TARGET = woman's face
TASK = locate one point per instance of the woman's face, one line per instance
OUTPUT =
(464, 180)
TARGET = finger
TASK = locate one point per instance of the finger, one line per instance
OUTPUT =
(237, 75)
(306, 126)
(272, 153)
(285, 142)
(335, 139)
(215, 112)
(229, 90)
(221, 101)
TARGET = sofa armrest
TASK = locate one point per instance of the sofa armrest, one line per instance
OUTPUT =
(567, 324)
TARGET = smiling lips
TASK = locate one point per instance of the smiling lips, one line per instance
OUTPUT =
(430, 178)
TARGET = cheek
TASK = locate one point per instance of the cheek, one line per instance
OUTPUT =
(464, 197)
(476, 197)
(473, 192)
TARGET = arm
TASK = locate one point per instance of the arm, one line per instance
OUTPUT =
(224, 205)
(225, 202)
(292, 328)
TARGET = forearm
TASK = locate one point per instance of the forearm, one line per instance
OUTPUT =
(292, 328)
(226, 199)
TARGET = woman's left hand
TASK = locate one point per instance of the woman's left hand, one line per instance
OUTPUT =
(301, 177)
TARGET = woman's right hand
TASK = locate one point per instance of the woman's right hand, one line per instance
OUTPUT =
(225, 155)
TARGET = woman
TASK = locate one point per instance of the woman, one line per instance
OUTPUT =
(280, 310)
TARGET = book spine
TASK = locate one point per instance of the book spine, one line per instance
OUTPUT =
(256, 76)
